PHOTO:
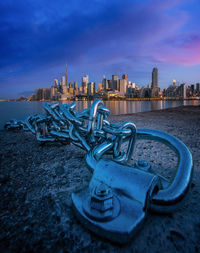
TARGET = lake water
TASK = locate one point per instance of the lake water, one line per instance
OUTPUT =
(20, 110)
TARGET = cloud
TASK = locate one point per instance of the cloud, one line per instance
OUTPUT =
(96, 36)
(39, 33)
(182, 50)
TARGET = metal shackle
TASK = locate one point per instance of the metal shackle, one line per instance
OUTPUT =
(167, 200)
(164, 200)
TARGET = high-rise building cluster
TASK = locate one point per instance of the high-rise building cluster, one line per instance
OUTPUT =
(182, 91)
(113, 88)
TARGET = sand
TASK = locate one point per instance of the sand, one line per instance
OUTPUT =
(36, 182)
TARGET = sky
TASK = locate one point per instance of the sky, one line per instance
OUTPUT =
(97, 37)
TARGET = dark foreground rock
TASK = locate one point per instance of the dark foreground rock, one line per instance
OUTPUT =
(36, 183)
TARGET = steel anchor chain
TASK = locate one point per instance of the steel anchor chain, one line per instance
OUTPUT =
(118, 197)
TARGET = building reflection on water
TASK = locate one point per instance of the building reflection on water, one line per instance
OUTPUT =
(20, 110)
(128, 107)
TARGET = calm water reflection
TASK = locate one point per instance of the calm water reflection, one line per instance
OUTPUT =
(20, 110)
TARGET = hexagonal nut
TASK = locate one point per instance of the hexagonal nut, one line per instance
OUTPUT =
(102, 203)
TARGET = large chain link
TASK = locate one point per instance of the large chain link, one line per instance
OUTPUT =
(88, 129)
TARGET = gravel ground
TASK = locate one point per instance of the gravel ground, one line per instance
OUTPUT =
(36, 182)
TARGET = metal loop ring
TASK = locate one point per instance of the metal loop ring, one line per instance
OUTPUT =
(166, 200)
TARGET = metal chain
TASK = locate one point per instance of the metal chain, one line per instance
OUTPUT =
(88, 129)
(91, 131)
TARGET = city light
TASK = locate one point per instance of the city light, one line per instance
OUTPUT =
(115, 88)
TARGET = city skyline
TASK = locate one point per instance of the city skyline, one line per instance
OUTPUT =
(115, 88)
(97, 38)
(64, 84)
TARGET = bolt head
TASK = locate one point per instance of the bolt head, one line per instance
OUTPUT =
(142, 163)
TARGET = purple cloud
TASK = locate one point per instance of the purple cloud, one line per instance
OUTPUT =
(95, 37)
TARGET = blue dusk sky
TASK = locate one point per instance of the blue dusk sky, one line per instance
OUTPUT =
(97, 37)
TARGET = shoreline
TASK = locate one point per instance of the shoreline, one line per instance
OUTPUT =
(156, 110)
(127, 99)
(37, 181)
(120, 114)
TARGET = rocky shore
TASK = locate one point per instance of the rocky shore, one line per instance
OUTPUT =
(36, 182)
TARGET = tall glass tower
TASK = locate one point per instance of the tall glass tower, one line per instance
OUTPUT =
(154, 78)
(66, 75)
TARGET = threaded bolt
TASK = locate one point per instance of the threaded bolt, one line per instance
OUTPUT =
(102, 190)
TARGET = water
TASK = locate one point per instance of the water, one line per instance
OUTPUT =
(20, 110)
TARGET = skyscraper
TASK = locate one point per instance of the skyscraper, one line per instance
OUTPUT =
(63, 80)
(91, 89)
(66, 75)
(85, 80)
(53, 91)
(125, 76)
(182, 91)
(56, 83)
(63, 85)
(122, 87)
(198, 88)
(43, 94)
(154, 85)
(64, 89)
(133, 85)
(109, 84)
(75, 85)
(104, 83)
(192, 89)
(100, 87)
(115, 82)
(154, 78)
